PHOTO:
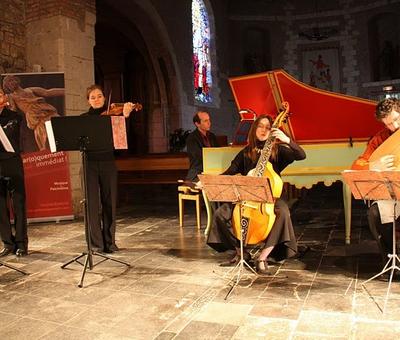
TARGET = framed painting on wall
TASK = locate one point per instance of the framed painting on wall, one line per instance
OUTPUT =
(320, 68)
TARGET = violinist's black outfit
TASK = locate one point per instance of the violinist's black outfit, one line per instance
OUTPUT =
(12, 184)
(281, 236)
(101, 181)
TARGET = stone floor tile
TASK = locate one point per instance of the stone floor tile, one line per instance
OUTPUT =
(333, 286)
(99, 319)
(53, 310)
(165, 336)
(277, 308)
(380, 330)
(329, 303)
(149, 286)
(6, 319)
(71, 333)
(206, 330)
(327, 323)
(265, 328)
(373, 307)
(287, 290)
(224, 313)
(313, 336)
(27, 328)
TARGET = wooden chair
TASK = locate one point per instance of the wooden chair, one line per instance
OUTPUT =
(187, 192)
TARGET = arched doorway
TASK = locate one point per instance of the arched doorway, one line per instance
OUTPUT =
(130, 68)
(121, 69)
(384, 38)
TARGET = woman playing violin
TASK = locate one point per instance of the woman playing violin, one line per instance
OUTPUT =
(101, 179)
(280, 242)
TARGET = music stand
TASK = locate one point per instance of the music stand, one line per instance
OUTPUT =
(83, 133)
(378, 185)
(240, 190)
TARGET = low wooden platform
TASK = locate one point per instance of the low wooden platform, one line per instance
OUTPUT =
(164, 168)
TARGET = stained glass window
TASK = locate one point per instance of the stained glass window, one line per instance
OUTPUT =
(201, 52)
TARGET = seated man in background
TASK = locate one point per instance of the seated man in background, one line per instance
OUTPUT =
(388, 112)
(196, 141)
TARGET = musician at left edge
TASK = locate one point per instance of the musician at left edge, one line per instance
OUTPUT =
(12, 184)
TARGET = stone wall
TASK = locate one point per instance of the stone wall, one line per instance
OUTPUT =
(284, 21)
(60, 38)
(12, 36)
(74, 9)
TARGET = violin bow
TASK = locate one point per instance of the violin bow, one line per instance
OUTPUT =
(109, 102)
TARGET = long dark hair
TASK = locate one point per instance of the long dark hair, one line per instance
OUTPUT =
(252, 148)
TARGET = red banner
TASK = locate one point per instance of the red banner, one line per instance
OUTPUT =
(37, 97)
(48, 189)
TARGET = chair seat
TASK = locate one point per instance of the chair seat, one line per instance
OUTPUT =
(186, 189)
(188, 192)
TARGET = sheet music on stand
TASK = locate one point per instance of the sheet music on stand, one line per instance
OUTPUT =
(372, 184)
(378, 185)
(50, 136)
(118, 126)
(5, 141)
(224, 188)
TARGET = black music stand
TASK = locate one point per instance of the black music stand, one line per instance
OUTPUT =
(241, 190)
(378, 185)
(83, 133)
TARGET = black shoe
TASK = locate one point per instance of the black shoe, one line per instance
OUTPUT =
(113, 248)
(21, 252)
(5, 252)
(108, 251)
(262, 267)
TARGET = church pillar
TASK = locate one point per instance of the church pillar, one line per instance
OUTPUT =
(60, 38)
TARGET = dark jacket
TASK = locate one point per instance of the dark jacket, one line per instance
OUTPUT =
(98, 155)
(195, 145)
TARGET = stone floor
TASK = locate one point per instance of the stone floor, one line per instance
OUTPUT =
(175, 289)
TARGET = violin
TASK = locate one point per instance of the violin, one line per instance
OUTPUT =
(117, 109)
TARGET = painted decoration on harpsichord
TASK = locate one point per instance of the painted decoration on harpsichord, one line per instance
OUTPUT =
(321, 68)
(201, 52)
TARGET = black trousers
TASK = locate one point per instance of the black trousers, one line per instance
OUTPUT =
(12, 183)
(101, 181)
(382, 232)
